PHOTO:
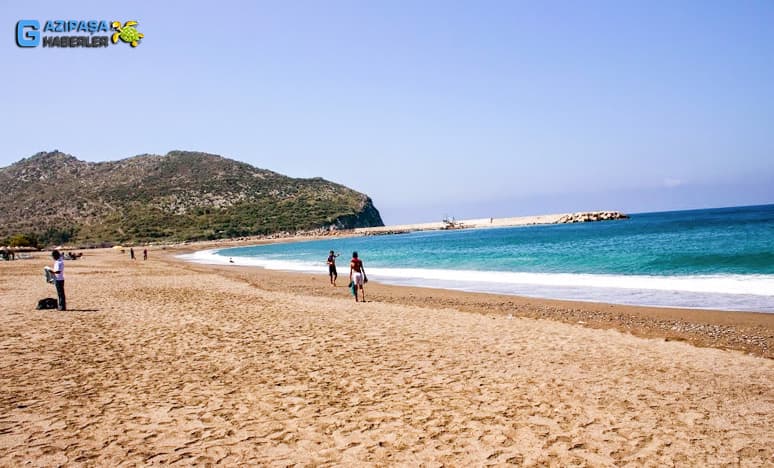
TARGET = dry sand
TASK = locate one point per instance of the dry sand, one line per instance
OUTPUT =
(160, 362)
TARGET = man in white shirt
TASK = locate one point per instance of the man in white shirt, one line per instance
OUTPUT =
(59, 279)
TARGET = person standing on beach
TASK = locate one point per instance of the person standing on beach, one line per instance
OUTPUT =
(332, 268)
(131, 253)
(59, 279)
(357, 275)
(144, 254)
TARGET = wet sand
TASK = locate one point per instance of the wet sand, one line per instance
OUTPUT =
(164, 362)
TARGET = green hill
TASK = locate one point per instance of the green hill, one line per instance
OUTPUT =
(180, 196)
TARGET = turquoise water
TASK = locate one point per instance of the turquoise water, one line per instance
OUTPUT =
(716, 258)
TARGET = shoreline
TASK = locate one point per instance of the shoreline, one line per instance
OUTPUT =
(750, 332)
(585, 288)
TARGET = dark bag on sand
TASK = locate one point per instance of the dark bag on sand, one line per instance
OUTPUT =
(47, 303)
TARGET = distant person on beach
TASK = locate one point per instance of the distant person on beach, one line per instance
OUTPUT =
(357, 275)
(7, 254)
(131, 253)
(144, 254)
(59, 279)
(332, 267)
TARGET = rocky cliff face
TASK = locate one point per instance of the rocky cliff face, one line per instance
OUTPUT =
(179, 196)
(367, 216)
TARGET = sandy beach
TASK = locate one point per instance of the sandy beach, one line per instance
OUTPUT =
(160, 361)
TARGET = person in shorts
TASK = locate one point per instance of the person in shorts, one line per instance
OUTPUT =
(357, 275)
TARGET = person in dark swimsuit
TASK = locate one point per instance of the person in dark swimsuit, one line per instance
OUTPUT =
(332, 268)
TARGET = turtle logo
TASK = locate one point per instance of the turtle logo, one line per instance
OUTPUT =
(126, 33)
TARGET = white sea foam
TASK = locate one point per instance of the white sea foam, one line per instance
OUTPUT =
(735, 292)
(722, 284)
(211, 257)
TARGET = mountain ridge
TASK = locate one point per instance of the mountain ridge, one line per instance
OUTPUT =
(183, 195)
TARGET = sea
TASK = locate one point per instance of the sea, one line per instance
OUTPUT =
(721, 258)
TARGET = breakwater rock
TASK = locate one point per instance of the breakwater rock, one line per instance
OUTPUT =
(591, 216)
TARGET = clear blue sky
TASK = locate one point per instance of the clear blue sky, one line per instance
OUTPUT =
(469, 109)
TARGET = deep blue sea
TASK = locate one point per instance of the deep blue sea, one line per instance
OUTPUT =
(715, 258)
